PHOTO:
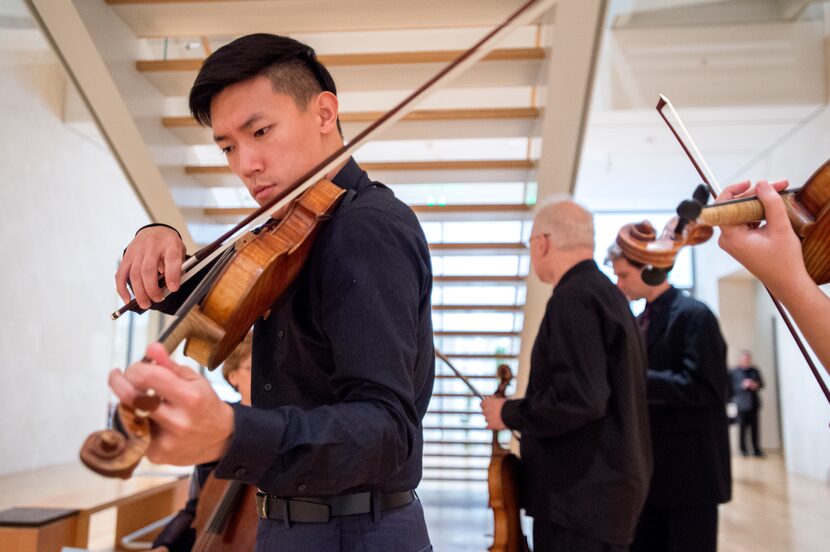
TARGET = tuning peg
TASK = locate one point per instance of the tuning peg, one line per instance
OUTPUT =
(689, 209)
(701, 194)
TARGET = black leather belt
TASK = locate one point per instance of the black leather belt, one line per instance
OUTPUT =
(320, 510)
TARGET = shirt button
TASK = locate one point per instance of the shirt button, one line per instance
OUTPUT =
(239, 472)
(267, 386)
(301, 487)
(280, 334)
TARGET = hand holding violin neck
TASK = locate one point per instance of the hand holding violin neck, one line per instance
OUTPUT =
(749, 209)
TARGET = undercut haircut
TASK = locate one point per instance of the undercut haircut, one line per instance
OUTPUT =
(291, 66)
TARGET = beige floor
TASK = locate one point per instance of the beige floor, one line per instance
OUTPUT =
(771, 511)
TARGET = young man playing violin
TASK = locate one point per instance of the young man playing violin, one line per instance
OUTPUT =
(687, 387)
(343, 363)
(772, 253)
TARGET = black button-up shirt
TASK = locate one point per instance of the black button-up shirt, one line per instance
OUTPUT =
(586, 449)
(343, 365)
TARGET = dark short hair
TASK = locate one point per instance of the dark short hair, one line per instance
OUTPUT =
(291, 66)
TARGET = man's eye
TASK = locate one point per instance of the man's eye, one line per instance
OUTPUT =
(227, 149)
(262, 131)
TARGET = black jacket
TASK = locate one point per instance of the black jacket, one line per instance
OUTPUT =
(687, 391)
(586, 453)
(746, 400)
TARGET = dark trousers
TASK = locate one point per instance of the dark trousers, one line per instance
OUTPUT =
(748, 421)
(550, 537)
(402, 529)
(677, 529)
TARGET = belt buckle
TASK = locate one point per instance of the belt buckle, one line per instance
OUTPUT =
(262, 505)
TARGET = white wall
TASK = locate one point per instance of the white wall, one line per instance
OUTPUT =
(804, 417)
(66, 212)
(746, 323)
(805, 412)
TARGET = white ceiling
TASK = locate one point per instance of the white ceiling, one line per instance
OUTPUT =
(744, 74)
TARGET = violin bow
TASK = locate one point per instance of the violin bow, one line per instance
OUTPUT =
(692, 152)
(469, 384)
(694, 155)
(522, 16)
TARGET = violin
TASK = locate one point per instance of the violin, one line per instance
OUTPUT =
(226, 518)
(806, 209)
(216, 318)
(502, 476)
(502, 483)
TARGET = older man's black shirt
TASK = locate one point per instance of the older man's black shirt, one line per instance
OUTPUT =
(586, 449)
(343, 365)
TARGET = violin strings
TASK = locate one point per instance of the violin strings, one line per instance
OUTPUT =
(198, 294)
(218, 518)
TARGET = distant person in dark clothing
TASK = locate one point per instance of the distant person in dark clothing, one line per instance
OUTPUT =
(746, 382)
(586, 451)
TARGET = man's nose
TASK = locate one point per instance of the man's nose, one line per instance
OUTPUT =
(249, 163)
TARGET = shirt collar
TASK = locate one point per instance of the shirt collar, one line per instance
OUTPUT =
(582, 267)
(351, 176)
(665, 299)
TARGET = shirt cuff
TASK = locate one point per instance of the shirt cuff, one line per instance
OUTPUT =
(254, 446)
(511, 415)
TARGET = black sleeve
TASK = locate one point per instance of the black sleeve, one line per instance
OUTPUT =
(577, 362)
(700, 380)
(178, 535)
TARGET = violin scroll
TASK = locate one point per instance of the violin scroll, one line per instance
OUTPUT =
(642, 247)
(116, 453)
(504, 375)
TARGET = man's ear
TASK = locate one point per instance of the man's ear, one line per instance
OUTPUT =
(328, 107)
(547, 245)
(232, 380)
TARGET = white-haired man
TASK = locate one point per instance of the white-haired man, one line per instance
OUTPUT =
(586, 449)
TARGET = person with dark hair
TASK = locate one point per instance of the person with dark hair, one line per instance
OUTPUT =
(586, 451)
(178, 535)
(746, 382)
(343, 363)
(687, 393)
